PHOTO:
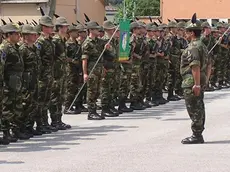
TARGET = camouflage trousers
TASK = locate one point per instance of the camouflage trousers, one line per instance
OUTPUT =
(116, 82)
(108, 76)
(44, 97)
(57, 99)
(196, 110)
(93, 88)
(223, 65)
(144, 70)
(151, 79)
(11, 109)
(125, 77)
(161, 73)
(73, 84)
(135, 83)
(216, 69)
(174, 77)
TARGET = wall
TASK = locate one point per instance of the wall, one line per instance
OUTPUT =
(206, 9)
(19, 12)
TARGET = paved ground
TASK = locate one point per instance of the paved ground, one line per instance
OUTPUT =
(144, 141)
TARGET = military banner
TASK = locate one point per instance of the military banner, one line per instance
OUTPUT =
(124, 40)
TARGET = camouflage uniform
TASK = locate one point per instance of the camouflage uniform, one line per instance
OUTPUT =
(74, 78)
(91, 50)
(161, 69)
(12, 93)
(30, 84)
(195, 55)
(174, 65)
(108, 73)
(45, 50)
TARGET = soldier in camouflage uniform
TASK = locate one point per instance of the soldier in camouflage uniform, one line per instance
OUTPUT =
(30, 77)
(60, 71)
(195, 71)
(4, 141)
(74, 78)
(151, 36)
(126, 72)
(108, 72)
(45, 50)
(138, 49)
(223, 55)
(216, 61)
(183, 44)
(144, 68)
(13, 70)
(161, 67)
(174, 60)
(209, 41)
(82, 34)
(91, 50)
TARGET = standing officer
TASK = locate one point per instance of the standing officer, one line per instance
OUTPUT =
(60, 71)
(13, 70)
(195, 71)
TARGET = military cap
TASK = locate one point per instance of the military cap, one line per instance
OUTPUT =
(219, 25)
(172, 24)
(61, 21)
(38, 28)
(93, 25)
(134, 25)
(142, 24)
(10, 27)
(163, 26)
(28, 29)
(181, 24)
(205, 25)
(194, 24)
(151, 27)
(81, 28)
(108, 25)
(214, 29)
(101, 29)
(46, 21)
(72, 28)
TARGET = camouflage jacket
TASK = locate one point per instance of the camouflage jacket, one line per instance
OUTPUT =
(175, 44)
(74, 52)
(45, 50)
(152, 47)
(195, 54)
(91, 50)
(110, 55)
(13, 62)
(139, 47)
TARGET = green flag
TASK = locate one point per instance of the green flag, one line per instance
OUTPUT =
(124, 40)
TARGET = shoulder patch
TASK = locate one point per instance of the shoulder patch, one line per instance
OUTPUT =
(38, 45)
(3, 56)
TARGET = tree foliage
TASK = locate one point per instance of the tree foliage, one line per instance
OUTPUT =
(142, 8)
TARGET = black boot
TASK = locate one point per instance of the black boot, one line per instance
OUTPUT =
(93, 115)
(136, 106)
(43, 129)
(9, 137)
(146, 104)
(194, 139)
(4, 141)
(83, 109)
(34, 132)
(123, 108)
(114, 110)
(106, 112)
(70, 112)
(22, 136)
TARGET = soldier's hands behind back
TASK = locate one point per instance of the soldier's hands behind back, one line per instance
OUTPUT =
(196, 90)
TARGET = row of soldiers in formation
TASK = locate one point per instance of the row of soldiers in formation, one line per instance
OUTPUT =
(42, 71)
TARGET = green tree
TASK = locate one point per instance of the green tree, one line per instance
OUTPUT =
(141, 8)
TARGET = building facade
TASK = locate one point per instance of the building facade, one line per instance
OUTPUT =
(21, 10)
(205, 9)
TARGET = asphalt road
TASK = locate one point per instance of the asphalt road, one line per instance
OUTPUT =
(143, 141)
